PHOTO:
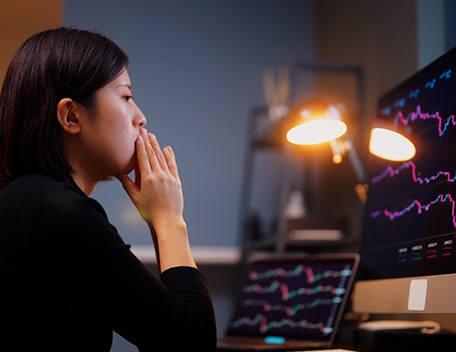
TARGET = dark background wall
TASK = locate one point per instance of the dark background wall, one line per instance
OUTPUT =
(196, 68)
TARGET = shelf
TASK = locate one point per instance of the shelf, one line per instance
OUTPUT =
(267, 243)
(204, 255)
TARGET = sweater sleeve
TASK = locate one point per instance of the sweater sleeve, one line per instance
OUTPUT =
(115, 284)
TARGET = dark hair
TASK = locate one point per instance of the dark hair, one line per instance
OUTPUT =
(49, 66)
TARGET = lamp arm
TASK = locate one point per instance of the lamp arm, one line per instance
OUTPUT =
(356, 162)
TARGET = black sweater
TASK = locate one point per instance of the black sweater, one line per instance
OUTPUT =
(68, 280)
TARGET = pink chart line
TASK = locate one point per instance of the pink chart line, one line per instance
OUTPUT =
(410, 164)
(392, 215)
(419, 115)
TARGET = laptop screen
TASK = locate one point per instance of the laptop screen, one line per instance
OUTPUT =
(294, 298)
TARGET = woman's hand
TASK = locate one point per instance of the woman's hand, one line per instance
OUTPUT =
(157, 194)
(157, 190)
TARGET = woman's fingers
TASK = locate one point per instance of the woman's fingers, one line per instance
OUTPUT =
(171, 160)
(156, 190)
(143, 155)
(133, 189)
(159, 157)
(129, 187)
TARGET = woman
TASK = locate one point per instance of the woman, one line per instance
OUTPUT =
(67, 121)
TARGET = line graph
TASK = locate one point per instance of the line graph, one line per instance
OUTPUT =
(419, 115)
(293, 297)
(391, 172)
(286, 293)
(298, 271)
(290, 310)
(410, 218)
(420, 208)
(265, 325)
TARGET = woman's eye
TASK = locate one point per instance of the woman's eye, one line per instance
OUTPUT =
(128, 97)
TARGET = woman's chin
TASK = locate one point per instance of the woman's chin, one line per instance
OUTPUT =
(130, 167)
(124, 168)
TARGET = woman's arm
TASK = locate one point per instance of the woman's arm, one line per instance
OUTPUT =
(109, 287)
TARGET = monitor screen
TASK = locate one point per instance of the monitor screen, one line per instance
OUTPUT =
(409, 246)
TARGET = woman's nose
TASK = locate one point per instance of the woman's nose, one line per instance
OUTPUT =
(140, 118)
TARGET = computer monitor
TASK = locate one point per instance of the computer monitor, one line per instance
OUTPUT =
(408, 255)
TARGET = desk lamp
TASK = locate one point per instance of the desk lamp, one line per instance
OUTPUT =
(315, 121)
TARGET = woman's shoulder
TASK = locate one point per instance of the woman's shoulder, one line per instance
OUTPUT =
(36, 184)
(51, 212)
(55, 208)
(42, 192)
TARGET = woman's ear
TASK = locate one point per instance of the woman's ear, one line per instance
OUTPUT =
(68, 115)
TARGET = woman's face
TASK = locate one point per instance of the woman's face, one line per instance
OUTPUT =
(112, 129)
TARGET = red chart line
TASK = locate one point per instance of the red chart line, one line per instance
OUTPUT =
(264, 325)
(391, 172)
(286, 293)
(392, 215)
(298, 271)
(419, 115)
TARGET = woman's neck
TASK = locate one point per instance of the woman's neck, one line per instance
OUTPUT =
(85, 185)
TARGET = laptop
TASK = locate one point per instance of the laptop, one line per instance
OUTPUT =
(291, 303)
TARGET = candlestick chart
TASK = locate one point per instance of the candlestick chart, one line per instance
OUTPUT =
(292, 299)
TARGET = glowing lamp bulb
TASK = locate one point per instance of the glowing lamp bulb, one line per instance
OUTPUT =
(316, 131)
(391, 145)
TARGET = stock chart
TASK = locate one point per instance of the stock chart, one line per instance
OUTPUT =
(292, 299)
(410, 218)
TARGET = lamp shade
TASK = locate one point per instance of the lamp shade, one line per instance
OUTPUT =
(391, 145)
(314, 122)
(314, 132)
